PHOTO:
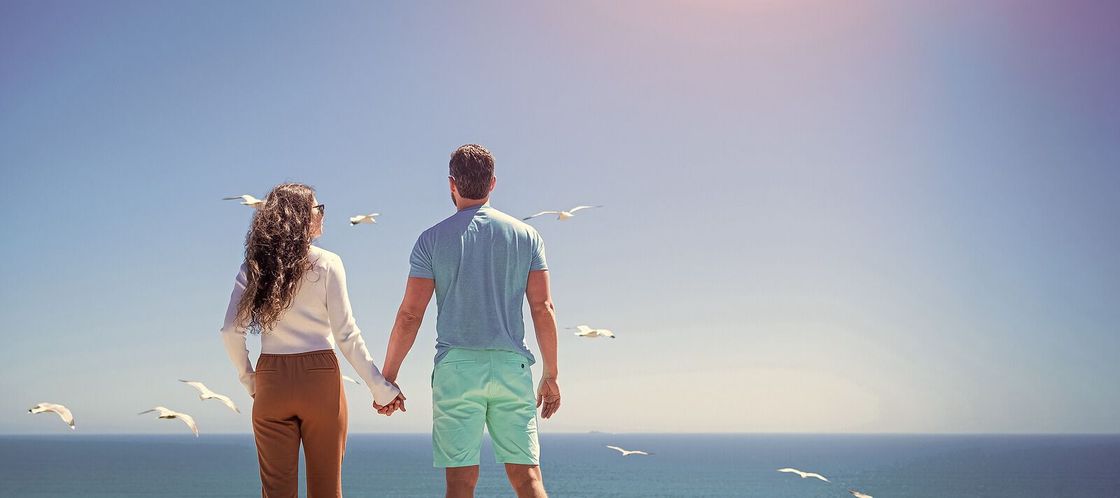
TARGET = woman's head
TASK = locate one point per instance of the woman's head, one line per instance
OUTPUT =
(276, 253)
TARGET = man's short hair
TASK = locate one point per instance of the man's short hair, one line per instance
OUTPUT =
(472, 167)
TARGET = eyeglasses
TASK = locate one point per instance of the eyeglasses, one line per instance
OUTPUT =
(321, 207)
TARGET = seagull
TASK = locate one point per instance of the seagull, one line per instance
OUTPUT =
(804, 474)
(585, 331)
(364, 218)
(170, 414)
(627, 452)
(561, 215)
(246, 200)
(62, 411)
(347, 378)
(857, 494)
(204, 393)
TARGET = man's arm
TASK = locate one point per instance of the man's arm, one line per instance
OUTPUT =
(417, 295)
(539, 295)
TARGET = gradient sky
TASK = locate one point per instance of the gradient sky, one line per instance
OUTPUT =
(880, 217)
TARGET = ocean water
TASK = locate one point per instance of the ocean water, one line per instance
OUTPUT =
(717, 465)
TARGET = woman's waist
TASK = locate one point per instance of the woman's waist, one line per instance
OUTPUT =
(288, 342)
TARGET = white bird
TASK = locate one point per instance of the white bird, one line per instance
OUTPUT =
(347, 378)
(627, 452)
(364, 218)
(561, 215)
(169, 414)
(857, 494)
(585, 331)
(246, 200)
(204, 393)
(804, 474)
(62, 411)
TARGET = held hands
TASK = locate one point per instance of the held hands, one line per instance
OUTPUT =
(548, 394)
(392, 406)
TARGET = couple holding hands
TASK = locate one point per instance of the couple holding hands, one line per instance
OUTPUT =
(480, 263)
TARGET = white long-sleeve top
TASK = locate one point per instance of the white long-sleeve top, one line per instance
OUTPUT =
(319, 317)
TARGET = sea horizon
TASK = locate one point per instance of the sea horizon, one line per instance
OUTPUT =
(581, 464)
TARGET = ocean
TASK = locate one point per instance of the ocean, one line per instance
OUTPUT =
(580, 465)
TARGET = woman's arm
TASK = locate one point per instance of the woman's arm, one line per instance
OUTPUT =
(349, 338)
(233, 335)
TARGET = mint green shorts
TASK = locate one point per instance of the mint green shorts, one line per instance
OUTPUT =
(475, 387)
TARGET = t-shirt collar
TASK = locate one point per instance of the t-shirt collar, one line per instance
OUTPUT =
(475, 208)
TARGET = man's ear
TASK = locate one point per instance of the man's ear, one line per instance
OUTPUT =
(451, 183)
(493, 181)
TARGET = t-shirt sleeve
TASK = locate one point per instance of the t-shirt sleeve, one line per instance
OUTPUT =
(421, 260)
(538, 262)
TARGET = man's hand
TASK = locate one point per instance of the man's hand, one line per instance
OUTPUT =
(396, 404)
(393, 406)
(548, 394)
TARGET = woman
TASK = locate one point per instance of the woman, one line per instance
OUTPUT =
(294, 295)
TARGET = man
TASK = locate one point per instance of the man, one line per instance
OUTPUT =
(480, 262)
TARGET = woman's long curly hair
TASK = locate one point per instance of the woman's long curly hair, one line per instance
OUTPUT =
(276, 255)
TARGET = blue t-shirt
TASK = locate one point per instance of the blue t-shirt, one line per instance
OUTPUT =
(480, 259)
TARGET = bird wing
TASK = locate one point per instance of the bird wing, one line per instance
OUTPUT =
(189, 420)
(65, 415)
(162, 411)
(857, 494)
(350, 379)
(226, 401)
(202, 389)
(795, 471)
(605, 332)
(542, 213)
(616, 448)
(577, 208)
(818, 476)
(62, 411)
(638, 453)
(354, 220)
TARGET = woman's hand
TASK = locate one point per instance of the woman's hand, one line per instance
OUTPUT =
(396, 404)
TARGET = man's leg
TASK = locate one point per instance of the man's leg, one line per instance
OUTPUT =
(461, 481)
(526, 480)
(511, 416)
(458, 416)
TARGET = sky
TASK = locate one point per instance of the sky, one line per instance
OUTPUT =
(859, 218)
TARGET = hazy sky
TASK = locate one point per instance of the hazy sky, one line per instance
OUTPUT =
(868, 217)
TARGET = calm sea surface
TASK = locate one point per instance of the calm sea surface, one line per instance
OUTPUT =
(74, 465)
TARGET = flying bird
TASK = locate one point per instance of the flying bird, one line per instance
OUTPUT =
(204, 393)
(246, 200)
(804, 474)
(364, 219)
(857, 494)
(627, 452)
(347, 378)
(168, 414)
(585, 331)
(561, 215)
(62, 411)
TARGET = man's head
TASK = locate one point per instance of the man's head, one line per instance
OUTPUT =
(471, 173)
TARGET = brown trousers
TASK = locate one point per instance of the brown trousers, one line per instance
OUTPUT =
(300, 397)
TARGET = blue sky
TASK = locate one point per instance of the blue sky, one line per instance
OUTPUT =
(878, 218)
